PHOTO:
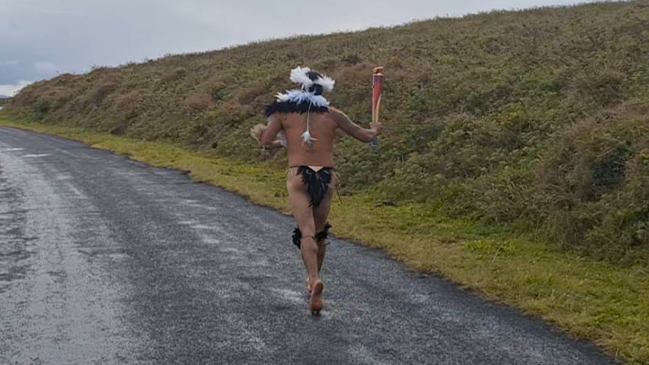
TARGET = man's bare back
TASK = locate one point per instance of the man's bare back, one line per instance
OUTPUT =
(322, 128)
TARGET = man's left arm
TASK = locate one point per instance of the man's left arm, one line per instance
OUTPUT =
(267, 140)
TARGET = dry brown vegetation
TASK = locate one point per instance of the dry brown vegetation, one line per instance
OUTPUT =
(534, 121)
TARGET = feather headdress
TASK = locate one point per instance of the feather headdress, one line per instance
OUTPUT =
(307, 78)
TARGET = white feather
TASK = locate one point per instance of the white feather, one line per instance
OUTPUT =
(300, 96)
(306, 138)
(299, 76)
(326, 82)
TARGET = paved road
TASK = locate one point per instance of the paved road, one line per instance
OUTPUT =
(108, 261)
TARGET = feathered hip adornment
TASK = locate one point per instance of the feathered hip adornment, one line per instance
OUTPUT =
(257, 131)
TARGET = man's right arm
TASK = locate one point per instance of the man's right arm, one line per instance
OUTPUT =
(354, 130)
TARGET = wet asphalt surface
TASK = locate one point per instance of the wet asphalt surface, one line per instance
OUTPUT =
(104, 260)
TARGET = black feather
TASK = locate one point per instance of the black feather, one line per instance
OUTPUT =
(297, 236)
(316, 183)
(293, 107)
(319, 237)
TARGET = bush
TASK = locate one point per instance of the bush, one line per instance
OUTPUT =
(102, 90)
(174, 75)
(200, 101)
(535, 119)
(41, 109)
(596, 176)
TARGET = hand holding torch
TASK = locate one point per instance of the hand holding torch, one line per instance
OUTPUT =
(377, 90)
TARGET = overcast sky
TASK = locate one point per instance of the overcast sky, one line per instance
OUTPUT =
(42, 38)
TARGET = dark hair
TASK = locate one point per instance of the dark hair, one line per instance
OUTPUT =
(315, 88)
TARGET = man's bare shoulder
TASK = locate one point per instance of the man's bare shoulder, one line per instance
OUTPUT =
(337, 115)
(277, 116)
(334, 111)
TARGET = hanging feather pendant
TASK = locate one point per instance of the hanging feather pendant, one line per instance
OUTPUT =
(306, 138)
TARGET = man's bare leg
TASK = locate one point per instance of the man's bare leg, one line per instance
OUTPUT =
(303, 214)
(321, 216)
(322, 249)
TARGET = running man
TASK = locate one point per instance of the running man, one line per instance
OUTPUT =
(304, 122)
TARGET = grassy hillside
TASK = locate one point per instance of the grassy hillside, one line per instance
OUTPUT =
(587, 298)
(536, 121)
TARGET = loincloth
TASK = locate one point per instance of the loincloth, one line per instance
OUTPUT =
(317, 182)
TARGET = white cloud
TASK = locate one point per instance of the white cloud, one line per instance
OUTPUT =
(11, 90)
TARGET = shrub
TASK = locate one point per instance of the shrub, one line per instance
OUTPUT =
(41, 109)
(102, 90)
(174, 75)
(596, 176)
(200, 101)
(534, 119)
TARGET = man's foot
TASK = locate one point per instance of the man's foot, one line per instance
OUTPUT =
(316, 303)
(308, 285)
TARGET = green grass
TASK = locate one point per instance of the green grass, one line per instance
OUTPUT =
(534, 120)
(586, 298)
(515, 158)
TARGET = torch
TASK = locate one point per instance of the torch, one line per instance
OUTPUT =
(377, 90)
